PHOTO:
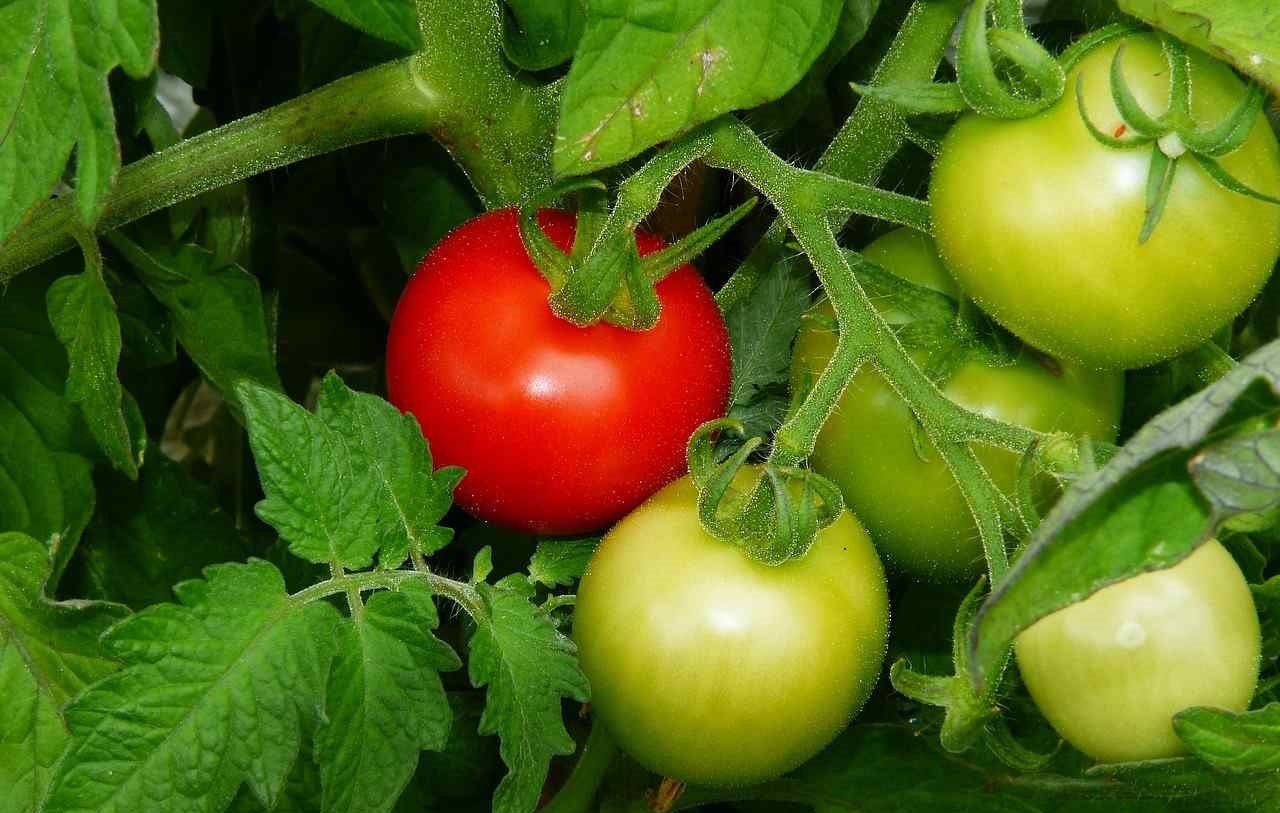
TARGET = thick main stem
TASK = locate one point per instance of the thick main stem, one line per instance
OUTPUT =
(376, 103)
(497, 126)
(871, 135)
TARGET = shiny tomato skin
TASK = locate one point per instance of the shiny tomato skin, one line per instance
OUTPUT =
(709, 667)
(909, 501)
(562, 429)
(1110, 672)
(1039, 222)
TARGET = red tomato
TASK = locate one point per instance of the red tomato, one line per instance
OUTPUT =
(561, 429)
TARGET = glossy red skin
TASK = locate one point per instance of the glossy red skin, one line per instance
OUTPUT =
(561, 429)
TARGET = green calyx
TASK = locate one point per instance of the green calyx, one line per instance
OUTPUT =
(774, 520)
(604, 277)
(1174, 135)
(1001, 71)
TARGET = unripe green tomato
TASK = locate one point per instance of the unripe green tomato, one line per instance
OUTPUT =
(1110, 672)
(1039, 222)
(912, 504)
(712, 668)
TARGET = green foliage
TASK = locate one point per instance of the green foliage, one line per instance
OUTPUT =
(395, 21)
(54, 61)
(384, 701)
(46, 451)
(217, 311)
(231, 710)
(542, 34)
(1139, 512)
(84, 319)
(350, 672)
(762, 328)
(129, 555)
(527, 666)
(1242, 32)
(644, 73)
(561, 562)
(49, 652)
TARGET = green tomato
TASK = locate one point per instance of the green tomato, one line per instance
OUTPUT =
(1040, 223)
(1110, 672)
(712, 668)
(902, 490)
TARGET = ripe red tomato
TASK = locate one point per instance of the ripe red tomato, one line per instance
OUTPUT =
(561, 429)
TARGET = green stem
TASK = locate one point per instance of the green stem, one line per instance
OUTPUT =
(376, 103)
(580, 790)
(461, 593)
(871, 135)
(497, 127)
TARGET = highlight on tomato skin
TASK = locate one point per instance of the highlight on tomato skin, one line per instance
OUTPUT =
(1110, 672)
(562, 429)
(711, 668)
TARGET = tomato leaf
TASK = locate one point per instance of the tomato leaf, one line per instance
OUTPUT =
(1241, 479)
(49, 652)
(528, 666)
(46, 459)
(217, 311)
(130, 553)
(54, 61)
(540, 34)
(762, 329)
(215, 691)
(320, 495)
(1230, 741)
(384, 703)
(412, 498)
(644, 73)
(1140, 512)
(1245, 33)
(84, 318)
(395, 21)
(561, 562)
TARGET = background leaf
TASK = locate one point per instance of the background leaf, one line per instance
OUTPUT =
(1245, 33)
(217, 311)
(49, 652)
(84, 319)
(540, 34)
(1230, 741)
(46, 451)
(147, 536)
(54, 61)
(395, 21)
(215, 692)
(762, 329)
(645, 72)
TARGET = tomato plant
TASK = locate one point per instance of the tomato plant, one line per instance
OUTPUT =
(1040, 223)
(1111, 671)
(715, 669)
(891, 475)
(334, 337)
(561, 429)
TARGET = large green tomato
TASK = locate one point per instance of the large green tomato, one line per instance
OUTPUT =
(1109, 672)
(1039, 222)
(712, 668)
(911, 503)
